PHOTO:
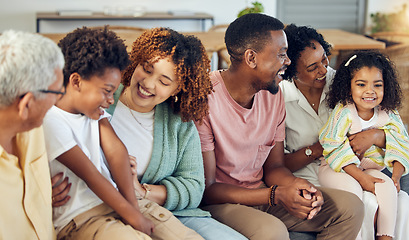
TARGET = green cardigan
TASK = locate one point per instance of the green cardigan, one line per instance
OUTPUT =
(176, 161)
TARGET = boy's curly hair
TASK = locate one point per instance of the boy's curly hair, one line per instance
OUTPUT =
(192, 68)
(340, 90)
(90, 51)
(299, 38)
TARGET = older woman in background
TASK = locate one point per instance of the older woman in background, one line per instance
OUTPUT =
(308, 79)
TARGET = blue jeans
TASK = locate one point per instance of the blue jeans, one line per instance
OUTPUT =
(211, 229)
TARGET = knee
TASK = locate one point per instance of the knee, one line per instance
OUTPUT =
(370, 201)
(346, 206)
(351, 207)
(274, 231)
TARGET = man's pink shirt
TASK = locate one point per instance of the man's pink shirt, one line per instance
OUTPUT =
(241, 138)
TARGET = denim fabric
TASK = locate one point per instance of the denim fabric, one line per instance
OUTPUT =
(211, 229)
(302, 236)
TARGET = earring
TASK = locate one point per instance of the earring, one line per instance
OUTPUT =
(176, 98)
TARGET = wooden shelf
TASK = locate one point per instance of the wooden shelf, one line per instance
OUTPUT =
(54, 16)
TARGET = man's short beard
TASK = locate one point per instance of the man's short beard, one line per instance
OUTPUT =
(273, 88)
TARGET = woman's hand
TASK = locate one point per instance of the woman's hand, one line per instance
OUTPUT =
(60, 191)
(362, 141)
(132, 161)
(139, 190)
(367, 182)
(316, 150)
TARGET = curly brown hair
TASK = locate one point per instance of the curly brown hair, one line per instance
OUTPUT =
(192, 68)
(90, 52)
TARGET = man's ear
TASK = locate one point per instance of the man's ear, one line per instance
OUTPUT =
(250, 58)
(75, 81)
(24, 104)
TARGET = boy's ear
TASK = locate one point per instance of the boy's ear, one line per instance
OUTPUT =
(24, 104)
(75, 81)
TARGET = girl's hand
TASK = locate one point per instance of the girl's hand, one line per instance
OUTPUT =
(367, 182)
(398, 170)
(396, 181)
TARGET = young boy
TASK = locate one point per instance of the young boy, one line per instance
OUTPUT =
(79, 136)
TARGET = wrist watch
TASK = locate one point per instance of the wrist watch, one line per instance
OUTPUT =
(308, 151)
(147, 189)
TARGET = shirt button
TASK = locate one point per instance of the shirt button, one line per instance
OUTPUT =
(161, 215)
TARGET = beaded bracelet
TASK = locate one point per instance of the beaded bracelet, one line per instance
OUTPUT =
(272, 196)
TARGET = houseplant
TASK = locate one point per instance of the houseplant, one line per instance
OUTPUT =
(257, 8)
(390, 22)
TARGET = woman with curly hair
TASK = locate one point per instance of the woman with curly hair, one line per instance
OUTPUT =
(365, 95)
(165, 90)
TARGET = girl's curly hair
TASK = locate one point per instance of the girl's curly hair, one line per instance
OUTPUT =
(299, 38)
(192, 68)
(91, 51)
(340, 90)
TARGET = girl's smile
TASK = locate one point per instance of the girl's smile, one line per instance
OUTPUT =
(367, 90)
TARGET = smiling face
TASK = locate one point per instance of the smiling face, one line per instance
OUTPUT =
(91, 96)
(44, 103)
(312, 67)
(367, 90)
(151, 84)
(272, 62)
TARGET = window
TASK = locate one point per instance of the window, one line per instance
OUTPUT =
(348, 15)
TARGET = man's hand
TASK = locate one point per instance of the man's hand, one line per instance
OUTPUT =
(60, 191)
(300, 198)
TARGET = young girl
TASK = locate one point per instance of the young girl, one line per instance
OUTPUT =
(364, 95)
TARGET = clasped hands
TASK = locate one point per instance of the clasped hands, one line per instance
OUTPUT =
(300, 198)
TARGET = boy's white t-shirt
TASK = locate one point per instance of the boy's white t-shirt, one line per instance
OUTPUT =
(135, 130)
(63, 131)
